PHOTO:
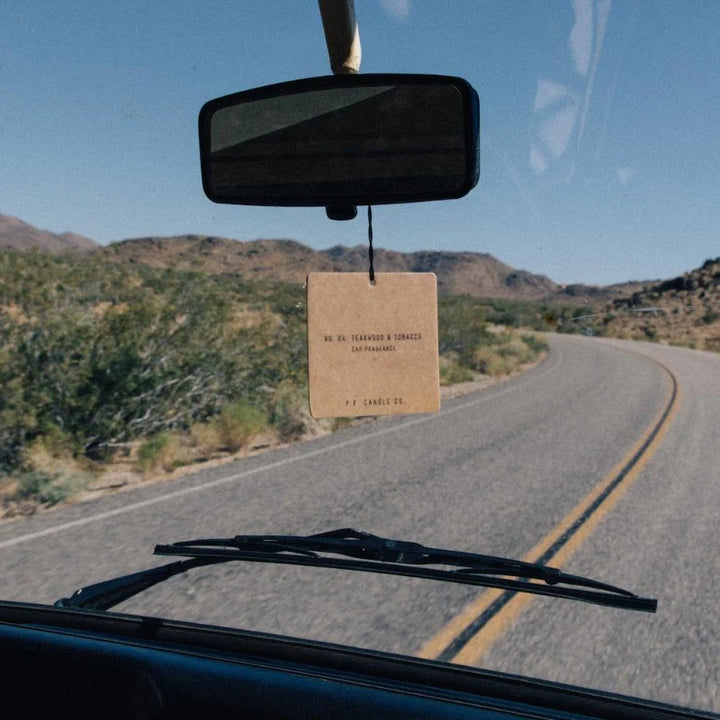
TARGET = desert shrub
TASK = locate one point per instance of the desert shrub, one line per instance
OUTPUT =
(161, 452)
(451, 372)
(710, 316)
(508, 313)
(507, 353)
(47, 488)
(205, 440)
(536, 344)
(52, 455)
(461, 327)
(109, 353)
(54, 443)
(514, 348)
(526, 314)
(237, 424)
(489, 362)
(289, 414)
(650, 333)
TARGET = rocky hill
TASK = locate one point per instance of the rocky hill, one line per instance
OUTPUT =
(469, 273)
(682, 311)
(685, 310)
(19, 235)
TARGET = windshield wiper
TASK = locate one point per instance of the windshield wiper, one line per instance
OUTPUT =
(365, 552)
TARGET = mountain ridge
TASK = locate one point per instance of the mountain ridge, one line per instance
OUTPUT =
(458, 272)
(16, 234)
(478, 274)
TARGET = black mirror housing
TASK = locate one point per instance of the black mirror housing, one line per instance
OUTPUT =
(342, 140)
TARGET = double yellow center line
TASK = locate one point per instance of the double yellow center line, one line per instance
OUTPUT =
(472, 633)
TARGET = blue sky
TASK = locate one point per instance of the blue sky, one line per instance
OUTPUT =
(600, 137)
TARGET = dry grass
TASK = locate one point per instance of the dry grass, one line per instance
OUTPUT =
(163, 452)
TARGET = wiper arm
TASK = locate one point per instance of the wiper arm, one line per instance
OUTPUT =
(368, 553)
(108, 593)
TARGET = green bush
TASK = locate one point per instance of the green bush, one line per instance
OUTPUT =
(46, 488)
(160, 452)
(710, 316)
(536, 344)
(650, 333)
(461, 327)
(507, 353)
(237, 424)
(108, 353)
(289, 413)
(490, 362)
(451, 372)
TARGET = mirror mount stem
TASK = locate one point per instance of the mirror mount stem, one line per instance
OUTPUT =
(343, 43)
(341, 35)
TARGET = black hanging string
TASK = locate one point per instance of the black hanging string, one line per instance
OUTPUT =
(370, 250)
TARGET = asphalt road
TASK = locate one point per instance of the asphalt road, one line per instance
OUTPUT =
(493, 472)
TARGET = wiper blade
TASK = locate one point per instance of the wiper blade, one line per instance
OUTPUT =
(398, 557)
(369, 553)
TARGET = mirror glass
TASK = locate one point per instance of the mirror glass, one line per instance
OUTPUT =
(340, 140)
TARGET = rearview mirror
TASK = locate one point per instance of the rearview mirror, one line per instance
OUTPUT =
(342, 140)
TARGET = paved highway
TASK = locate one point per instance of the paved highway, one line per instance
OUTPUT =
(503, 471)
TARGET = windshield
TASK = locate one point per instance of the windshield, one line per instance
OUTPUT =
(153, 345)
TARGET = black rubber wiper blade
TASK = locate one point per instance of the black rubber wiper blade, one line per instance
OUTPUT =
(364, 546)
(361, 552)
(372, 553)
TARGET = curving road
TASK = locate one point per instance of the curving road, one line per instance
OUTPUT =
(493, 472)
